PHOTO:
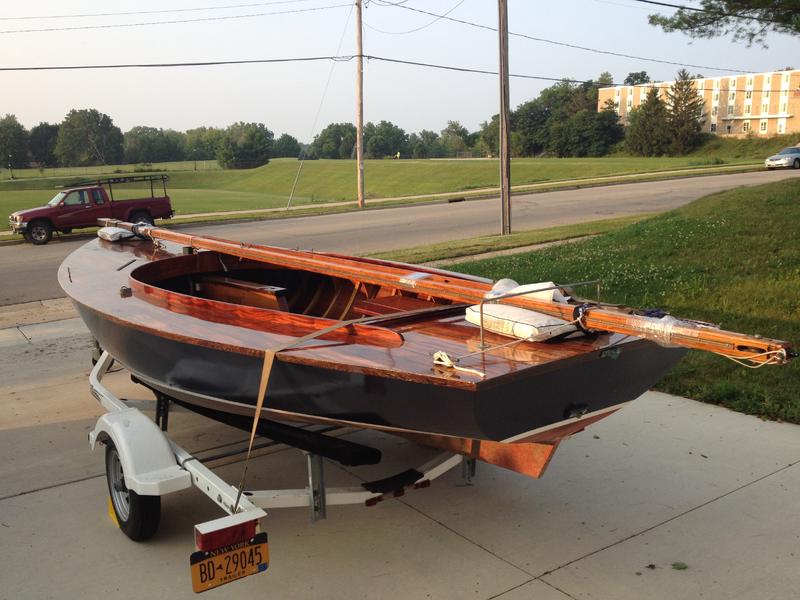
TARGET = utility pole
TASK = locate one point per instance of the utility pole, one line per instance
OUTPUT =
(359, 106)
(505, 160)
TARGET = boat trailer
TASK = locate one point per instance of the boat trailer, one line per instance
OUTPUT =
(143, 464)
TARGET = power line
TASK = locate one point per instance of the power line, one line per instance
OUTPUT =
(174, 21)
(163, 65)
(436, 20)
(149, 12)
(556, 42)
(347, 58)
(716, 13)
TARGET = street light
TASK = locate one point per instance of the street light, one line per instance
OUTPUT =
(9, 167)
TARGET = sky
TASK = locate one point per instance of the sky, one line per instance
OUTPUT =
(293, 97)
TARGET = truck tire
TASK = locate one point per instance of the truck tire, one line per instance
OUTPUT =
(137, 516)
(39, 232)
(141, 216)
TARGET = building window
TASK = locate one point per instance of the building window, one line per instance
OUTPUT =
(785, 93)
(763, 127)
(713, 128)
(780, 127)
(746, 126)
(730, 109)
(716, 96)
(784, 107)
(749, 81)
(716, 83)
(732, 97)
(764, 109)
(732, 82)
(786, 78)
(713, 111)
(748, 94)
(766, 94)
(728, 128)
(747, 108)
(768, 81)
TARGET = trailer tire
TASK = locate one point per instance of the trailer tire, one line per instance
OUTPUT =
(142, 216)
(39, 232)
(137, 516)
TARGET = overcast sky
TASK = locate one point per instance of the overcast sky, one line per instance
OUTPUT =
(286, 97)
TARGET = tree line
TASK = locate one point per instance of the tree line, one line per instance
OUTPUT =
(562, 121)
(88, 137)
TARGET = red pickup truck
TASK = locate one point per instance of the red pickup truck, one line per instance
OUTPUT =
(85, 202)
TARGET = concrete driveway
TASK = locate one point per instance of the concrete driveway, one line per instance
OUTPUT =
(665, 481)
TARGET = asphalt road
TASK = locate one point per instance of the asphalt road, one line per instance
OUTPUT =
(28, 273)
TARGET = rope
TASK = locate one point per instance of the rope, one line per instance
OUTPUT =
(441, 358)
(775, 357)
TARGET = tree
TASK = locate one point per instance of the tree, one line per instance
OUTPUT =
(605, 79)
(392, 139)
(647, 133)
(685, 108)
(88, 137)
(202, 143)
(744, 20)
(377, 147)
(454, 138)
(245, 145)
(286, 146)
(13, 143)
(149, 145)
(337, 140)
(637, 78)
(43, 144)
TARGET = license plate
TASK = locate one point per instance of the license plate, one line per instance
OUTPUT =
(214, 568)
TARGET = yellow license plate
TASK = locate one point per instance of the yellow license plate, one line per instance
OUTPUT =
(214, 568)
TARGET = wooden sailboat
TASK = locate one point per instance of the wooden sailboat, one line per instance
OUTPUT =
(369, 344)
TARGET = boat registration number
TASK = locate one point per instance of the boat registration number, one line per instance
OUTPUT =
(214, 568)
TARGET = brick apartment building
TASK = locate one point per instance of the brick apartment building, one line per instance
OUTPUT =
(763, 103)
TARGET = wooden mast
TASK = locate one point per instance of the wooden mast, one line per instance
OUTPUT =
(626, 322)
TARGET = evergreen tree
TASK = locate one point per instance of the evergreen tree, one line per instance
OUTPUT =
(647, 133)
(685, 109)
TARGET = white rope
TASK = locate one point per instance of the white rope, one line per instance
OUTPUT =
(775, 357)
(442, 359)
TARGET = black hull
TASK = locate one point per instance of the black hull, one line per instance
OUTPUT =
(536, 399)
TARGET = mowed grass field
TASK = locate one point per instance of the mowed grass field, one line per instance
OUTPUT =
(323, 181)
(731, 258)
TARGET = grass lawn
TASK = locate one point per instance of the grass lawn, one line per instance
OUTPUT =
(492, 243)
(324, 181)
(731, 258)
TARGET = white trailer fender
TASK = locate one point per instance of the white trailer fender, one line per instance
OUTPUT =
(148, 462)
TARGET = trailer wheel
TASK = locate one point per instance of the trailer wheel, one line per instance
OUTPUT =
(137, 516)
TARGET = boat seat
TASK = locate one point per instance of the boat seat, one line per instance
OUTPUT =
(389, 304)
(239, 291)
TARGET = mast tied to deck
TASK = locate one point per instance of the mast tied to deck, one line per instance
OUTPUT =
(589, 316)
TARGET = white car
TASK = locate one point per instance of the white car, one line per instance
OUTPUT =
(786, 158)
